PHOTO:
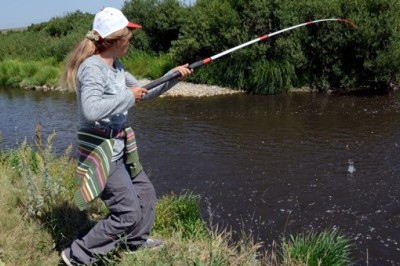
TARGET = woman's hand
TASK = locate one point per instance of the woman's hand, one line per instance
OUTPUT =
(184, 70)
(138, 92)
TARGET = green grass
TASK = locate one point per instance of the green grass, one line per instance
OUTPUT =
(31, 73)
(271, 77)
(328, 248)
(145, 65)
(180, 214)
(27, 74)
(39, 219)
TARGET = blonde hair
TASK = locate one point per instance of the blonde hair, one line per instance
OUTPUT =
(92, 44)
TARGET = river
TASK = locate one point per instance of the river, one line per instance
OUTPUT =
(270, 165)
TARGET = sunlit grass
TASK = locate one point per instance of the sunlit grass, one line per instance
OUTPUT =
(28, 74)
(180, 214)
(18, 73)
(328, 248)
(271, 77)
(145, 65)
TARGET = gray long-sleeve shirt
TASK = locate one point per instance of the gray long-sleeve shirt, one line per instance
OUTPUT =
(104, 97)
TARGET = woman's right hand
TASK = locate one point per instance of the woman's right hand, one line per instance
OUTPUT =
(184, 70)
(138, 92)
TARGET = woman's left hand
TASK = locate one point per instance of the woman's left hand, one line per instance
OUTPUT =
(138, 93)
(184, 70)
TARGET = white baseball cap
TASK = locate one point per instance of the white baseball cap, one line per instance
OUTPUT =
(110, 20)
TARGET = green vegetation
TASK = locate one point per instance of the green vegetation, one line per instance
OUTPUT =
(322, 56)
(147, 64)
(29, 73)
(326, 249)
(39, 219)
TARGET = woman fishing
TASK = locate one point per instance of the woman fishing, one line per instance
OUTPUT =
(108, 163)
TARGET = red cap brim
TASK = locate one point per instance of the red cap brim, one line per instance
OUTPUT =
(134, 25)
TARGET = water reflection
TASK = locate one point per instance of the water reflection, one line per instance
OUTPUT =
(269, 164)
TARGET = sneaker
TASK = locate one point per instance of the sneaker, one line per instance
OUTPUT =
(152, 244)
(65, 258)
(148, 244)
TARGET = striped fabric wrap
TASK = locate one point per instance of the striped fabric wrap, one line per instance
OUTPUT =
(95, 148)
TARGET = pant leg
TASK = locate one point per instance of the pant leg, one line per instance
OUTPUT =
(147, 197)
(125, 218)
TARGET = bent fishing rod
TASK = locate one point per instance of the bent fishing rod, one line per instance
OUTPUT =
(205, 61)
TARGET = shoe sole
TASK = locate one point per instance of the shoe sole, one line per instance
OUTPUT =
(65, 259)
(144, 248)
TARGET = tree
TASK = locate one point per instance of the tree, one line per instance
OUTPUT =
(161, 21)
(323, 56)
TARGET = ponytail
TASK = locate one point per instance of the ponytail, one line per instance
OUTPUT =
(83, 50)
(92, 44)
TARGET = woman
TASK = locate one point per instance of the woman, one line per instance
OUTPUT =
(108, 164)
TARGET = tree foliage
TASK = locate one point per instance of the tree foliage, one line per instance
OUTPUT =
(62, 26)
(161, 21)
(339, 57)
(323, 56)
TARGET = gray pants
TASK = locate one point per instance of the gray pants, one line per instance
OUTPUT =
(132, 211)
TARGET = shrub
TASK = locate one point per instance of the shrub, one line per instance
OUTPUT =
(323, 56)
(161, 21)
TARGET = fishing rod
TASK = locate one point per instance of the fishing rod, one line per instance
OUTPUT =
(205, 61)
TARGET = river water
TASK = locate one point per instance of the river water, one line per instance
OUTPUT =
(269, 165)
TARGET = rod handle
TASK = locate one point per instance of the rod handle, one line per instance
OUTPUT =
(162, 80)
(196, 64)
(171, 76)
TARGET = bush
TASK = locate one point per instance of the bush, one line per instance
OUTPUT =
(161, 21)
(215, 28)
(323, 56)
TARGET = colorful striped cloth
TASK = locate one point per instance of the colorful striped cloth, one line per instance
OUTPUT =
(95, 147)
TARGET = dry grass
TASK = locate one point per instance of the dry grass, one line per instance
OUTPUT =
(217, 250)
(22, 242)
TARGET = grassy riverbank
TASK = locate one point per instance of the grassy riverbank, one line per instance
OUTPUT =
(39, 219)
(46, 73)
